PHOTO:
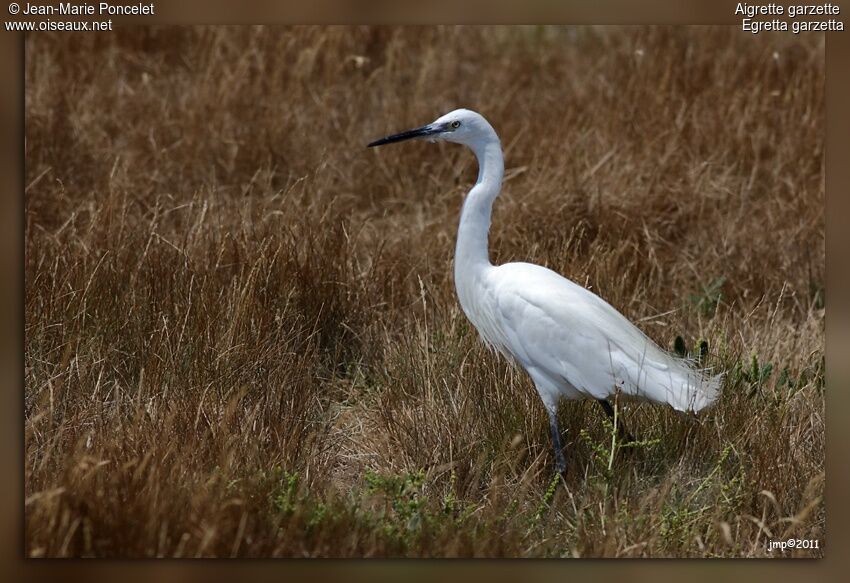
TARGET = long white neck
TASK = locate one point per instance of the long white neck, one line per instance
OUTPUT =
(471, 253)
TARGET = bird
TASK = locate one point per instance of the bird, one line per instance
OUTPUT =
(571, 342)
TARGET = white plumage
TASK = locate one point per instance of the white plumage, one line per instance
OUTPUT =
(572, 343)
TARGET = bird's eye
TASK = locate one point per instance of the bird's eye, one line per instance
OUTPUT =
(455, 124)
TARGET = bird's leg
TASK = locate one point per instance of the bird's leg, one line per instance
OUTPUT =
(623, 435)
(560, 461)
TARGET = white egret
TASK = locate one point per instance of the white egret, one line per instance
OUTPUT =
(572, 343)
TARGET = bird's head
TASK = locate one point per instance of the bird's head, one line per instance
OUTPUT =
(461, 126)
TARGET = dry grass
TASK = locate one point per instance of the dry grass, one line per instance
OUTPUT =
(241, 330)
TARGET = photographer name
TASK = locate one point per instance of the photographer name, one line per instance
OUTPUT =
(102, 8)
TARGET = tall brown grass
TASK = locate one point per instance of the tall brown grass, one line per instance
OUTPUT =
(242, 337)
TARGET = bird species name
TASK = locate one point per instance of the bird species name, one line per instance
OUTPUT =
(796, 26)
(750, 10)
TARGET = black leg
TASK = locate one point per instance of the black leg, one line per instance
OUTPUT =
(560, 462)
(622, 434)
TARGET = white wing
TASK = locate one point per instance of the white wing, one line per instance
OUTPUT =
(578, 341)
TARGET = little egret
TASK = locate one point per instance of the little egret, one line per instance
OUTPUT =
(572, 343)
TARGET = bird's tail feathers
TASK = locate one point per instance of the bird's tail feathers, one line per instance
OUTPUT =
(702, 392)
(679, 382)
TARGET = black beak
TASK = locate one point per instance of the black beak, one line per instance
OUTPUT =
(422, 132)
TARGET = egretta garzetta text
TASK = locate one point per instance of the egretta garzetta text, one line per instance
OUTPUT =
(572, 343)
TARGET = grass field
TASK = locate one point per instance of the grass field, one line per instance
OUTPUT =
(242, 336)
